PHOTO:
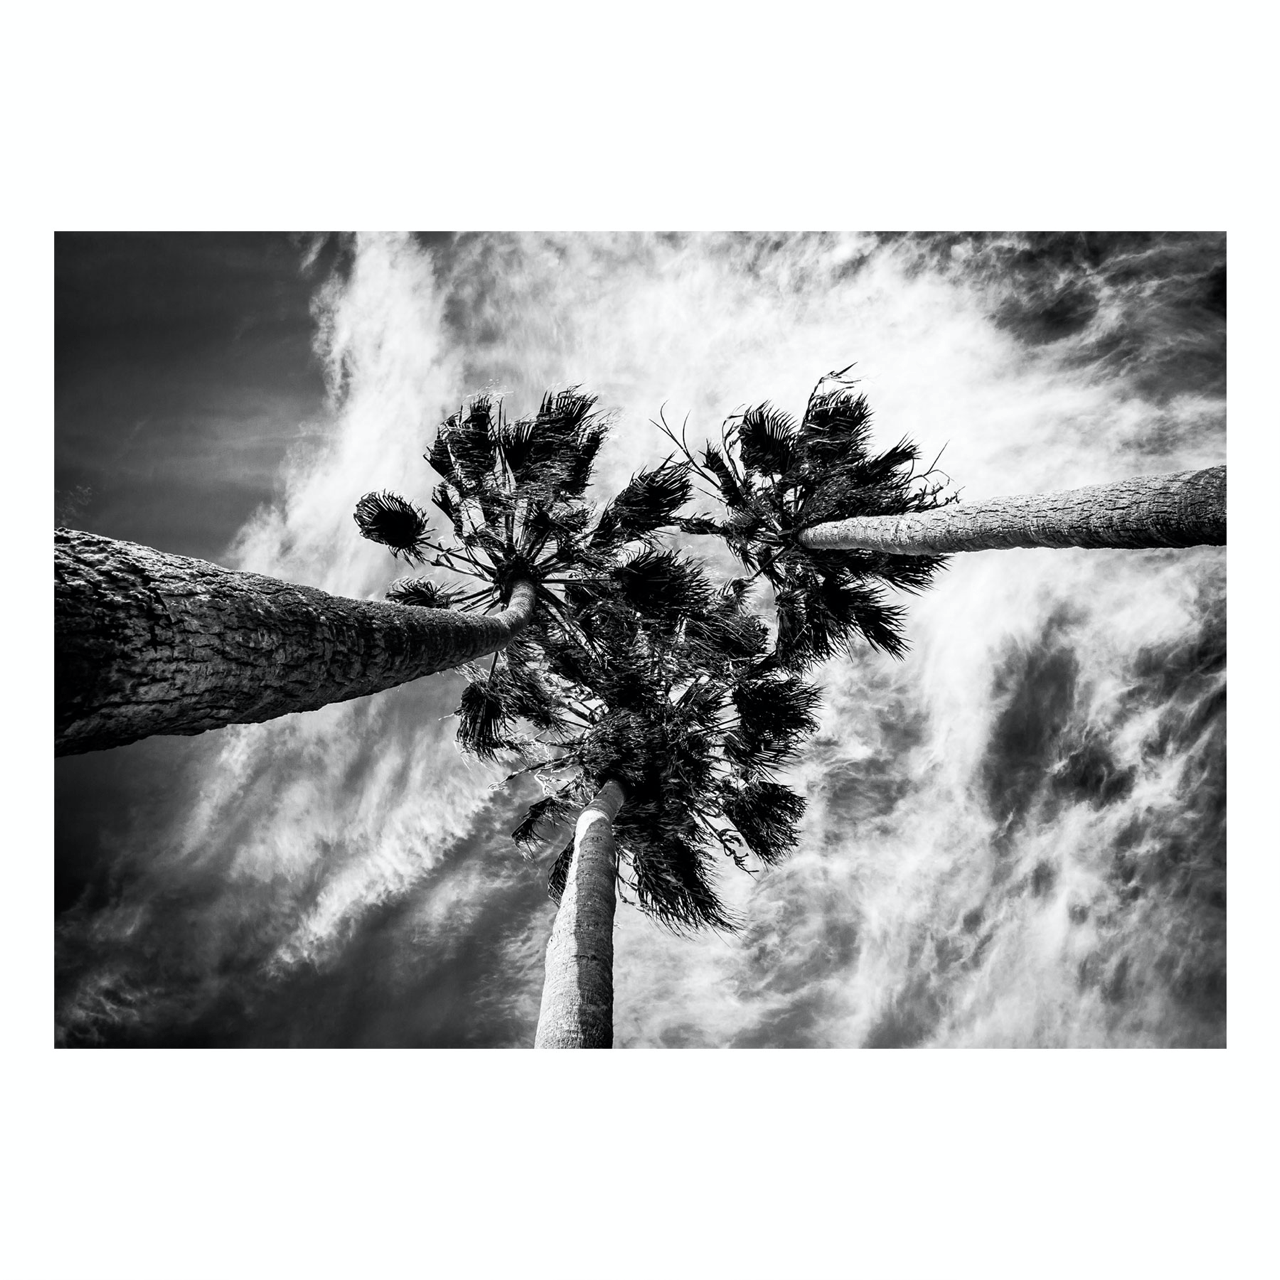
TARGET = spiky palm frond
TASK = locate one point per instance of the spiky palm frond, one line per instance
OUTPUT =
(646, 505)
(553, 451)
(558, 876)
(470, 438)
(836, 425)
(913, 574)
(421, 592)
(775, 713)
(663, 585)
(542, 818)
(768, 439)
(439, 459)
(672, 882)
(819, 618)
(523, 684)
(394, 522)
(726, 632)
(735, 491)
(767, 816)
(484, 718)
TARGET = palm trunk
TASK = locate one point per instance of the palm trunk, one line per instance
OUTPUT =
(146, 642)
(1185, 509)
(577, 996)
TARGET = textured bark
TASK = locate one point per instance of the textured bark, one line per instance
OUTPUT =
(577, 996)
(146, 642)
(1184, 509)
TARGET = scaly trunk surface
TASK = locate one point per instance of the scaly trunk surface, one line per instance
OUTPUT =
(1185, 509)
(146, 642)
(577, 996)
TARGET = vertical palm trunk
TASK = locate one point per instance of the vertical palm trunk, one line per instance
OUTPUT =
(146, 642)
(1185, 509)
(577, 996)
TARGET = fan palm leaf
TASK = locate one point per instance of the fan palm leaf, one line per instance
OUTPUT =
(394, 522)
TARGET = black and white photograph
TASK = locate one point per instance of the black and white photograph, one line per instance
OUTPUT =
(688, 528)
(681, 640)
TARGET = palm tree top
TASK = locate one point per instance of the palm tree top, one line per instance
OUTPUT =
(691, 718)
(513, 493)
(777, 477)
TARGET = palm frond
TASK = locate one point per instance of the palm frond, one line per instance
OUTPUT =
(566, 421)
(820, 616)
(672, 880)
(394, 522)
(421, 592)
(774, 715)
(767, 439)
(438, 457)
(558, 876)
(662, 585)
(767, 816)
(484, 718)
(646, 504)
(468, 436)
(836, 425)
(850, 607)
(541, 819)
(698, 524)
(734, 492)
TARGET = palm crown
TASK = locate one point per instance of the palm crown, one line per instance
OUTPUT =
(683, 709)
(778, 477)
(513, 493)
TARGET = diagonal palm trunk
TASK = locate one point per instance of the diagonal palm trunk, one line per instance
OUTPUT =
(577, 996)
(1185, 509)
(146, 643)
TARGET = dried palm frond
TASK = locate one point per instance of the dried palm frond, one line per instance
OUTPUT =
(421, 592)
(394, 522)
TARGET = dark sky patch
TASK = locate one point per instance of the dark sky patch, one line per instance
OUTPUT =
(1087, 771)
(183, 373)
(909, 1018)
(200, 959)
(1036, 690)
(795, 1026)
(103, 798)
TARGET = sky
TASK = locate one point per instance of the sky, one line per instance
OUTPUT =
(1015, 836)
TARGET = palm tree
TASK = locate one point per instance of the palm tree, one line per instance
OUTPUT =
(147, 643)
(777, 479)
(826, 522)
(664, 722)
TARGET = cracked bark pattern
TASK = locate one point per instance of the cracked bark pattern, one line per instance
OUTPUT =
(1184, 509)
(146, 643)
(577, 996)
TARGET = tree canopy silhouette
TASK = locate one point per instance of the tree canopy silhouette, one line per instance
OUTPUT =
(777, 478)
